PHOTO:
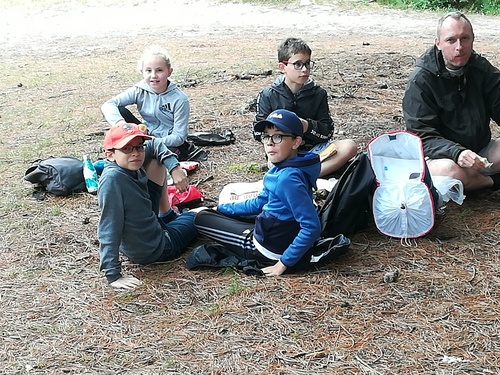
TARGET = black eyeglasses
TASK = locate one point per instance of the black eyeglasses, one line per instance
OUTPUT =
(298, 65)
(129, 149)
(275, 138)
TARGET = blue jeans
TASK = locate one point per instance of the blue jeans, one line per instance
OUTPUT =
(179, 233)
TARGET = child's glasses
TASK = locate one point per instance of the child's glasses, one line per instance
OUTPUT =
(275, 138)
(129, 149)
(298, 65)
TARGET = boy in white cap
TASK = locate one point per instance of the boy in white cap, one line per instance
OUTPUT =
(129, 192)
(287, 223)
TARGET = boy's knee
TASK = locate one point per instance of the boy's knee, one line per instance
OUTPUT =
(346, 148)
(182, 230)
(494, 153)
(156, 172)
(352, 148)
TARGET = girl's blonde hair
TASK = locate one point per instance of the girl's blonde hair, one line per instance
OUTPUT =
(153, 50)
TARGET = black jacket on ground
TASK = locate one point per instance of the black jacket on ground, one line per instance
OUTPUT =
(451, 114)
(309, 103)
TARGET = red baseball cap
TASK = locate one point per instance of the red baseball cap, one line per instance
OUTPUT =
(121, 135)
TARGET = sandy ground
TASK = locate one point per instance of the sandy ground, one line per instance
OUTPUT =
(42, 30)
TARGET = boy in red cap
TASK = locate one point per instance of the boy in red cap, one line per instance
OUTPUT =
(129, 192)
(287, 223)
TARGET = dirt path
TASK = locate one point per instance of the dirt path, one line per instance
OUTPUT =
(45, 31)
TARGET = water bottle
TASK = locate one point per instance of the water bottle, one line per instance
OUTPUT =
(90, 175)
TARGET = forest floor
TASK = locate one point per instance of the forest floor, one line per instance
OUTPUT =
(61, 61)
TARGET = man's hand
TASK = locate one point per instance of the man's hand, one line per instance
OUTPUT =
(126, 282)
(469, 159)
(275, 270)
(179, 176)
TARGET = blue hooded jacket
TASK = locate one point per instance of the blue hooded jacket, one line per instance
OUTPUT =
(287, 221)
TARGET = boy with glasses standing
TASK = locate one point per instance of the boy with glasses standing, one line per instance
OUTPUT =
(129, 192)
(297, 92)
(287, 223)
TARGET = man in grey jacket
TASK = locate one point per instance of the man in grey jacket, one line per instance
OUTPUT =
(452, 95)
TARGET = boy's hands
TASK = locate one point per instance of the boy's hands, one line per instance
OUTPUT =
(126, 282)
(275, 270)
(180, 179)
(143, 128)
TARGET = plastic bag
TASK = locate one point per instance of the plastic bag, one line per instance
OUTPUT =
(240, 191)
(449, 188)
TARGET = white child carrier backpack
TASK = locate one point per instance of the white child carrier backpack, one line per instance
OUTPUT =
(404, 200)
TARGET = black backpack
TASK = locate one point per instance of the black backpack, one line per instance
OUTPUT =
(348, 207)
(346, 210)
(59, 176)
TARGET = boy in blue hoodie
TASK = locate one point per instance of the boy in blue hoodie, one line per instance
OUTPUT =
(129, 200)
(287, 223)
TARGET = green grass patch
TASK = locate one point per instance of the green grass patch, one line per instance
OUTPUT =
(235, 287)
(263, 2)
(491, 7)
(248, 168)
